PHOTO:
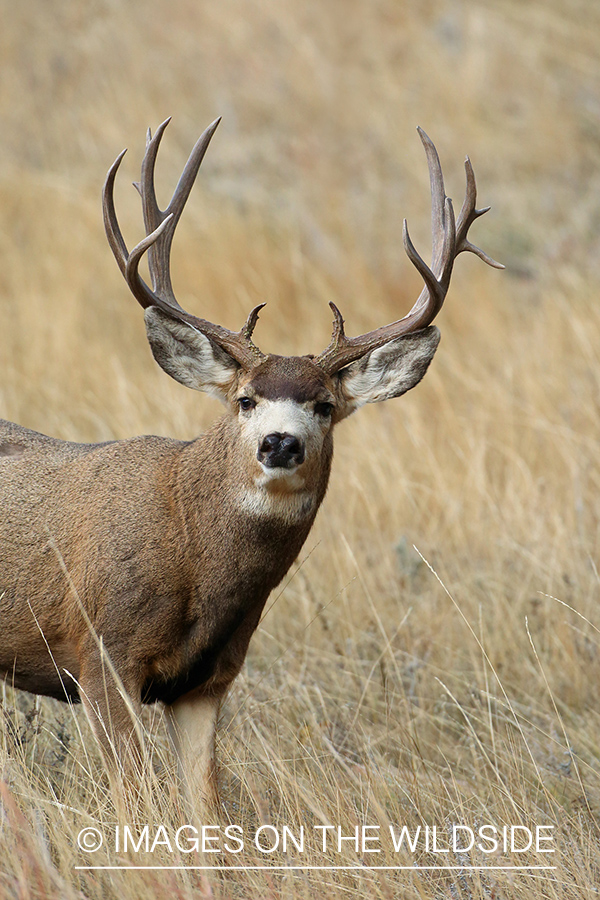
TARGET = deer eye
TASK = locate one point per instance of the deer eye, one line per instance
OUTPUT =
(246, 403)
(323, 409)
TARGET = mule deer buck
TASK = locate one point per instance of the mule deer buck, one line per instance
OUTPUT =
(136, 571)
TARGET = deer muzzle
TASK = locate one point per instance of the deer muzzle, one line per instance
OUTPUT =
(280, 451)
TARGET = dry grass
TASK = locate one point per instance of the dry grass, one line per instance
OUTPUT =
(380, 688)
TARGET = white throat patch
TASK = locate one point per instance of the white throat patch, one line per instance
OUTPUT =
(287, 507)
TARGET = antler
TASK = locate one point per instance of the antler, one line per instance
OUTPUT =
(449, 239)
(160, 228)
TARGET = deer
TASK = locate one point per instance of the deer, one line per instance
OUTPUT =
(136, 571)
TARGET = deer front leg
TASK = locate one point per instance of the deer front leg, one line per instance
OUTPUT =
(192, 724)
(112, 706)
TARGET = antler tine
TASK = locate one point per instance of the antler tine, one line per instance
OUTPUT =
(135, 280)
(438, 196)
(190, 171)
(449, 238)
(159, 252)
(160, 227)
(111, 225)
(139, 288)
(145, 187)
(467, 216)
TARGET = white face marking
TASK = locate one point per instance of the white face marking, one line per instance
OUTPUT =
(282, 493)
(285, 417)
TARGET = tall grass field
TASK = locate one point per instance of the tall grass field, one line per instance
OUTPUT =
(432, 659)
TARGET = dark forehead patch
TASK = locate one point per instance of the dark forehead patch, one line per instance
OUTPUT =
(289, 378)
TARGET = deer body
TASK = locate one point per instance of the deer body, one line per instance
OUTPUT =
(136, 571)
(169, 577)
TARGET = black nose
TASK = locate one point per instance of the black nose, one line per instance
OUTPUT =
(280, 451)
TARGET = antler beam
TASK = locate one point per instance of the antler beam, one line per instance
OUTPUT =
(449, 239)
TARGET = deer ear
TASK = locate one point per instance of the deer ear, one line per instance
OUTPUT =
(189, 356)
(387, 372)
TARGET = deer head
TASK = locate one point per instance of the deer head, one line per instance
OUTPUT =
(286, 406)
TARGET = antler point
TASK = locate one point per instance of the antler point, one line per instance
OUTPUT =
(338, 319)
(425, 139)
(250, 323)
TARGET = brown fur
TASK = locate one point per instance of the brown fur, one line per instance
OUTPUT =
(155, 561)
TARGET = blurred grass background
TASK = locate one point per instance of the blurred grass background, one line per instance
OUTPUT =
(373, 692)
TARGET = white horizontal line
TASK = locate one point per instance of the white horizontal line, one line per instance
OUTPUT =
(336, 868)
